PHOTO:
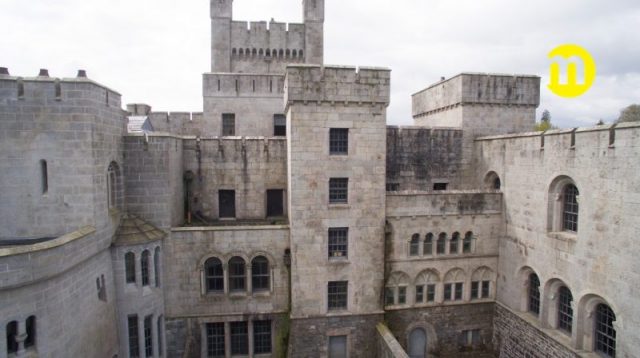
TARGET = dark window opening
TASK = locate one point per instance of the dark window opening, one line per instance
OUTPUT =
(44, 177)
(402, 295)
(441, 244)
(496, 183)
(214, 275)
(237, 274)
(260, 275)
(431, 293)
(393, 187)
(215, 340)
(279, 124)
(12, 332)
(275, 202)
(148, 339)
(338, 141)
(239, 338)
(565, 312)
(440, 186)
(605, 340)
(427, 248)
(227, 203)
(466, 242)
(156, 266)
(338, 190)
(338, 242)
(144, 267)
(130, 267)
(480, 289)
(229, 123)
(159, 331)
(134, 348)
(389, 296)
(337, 295)
(570, 208)
(453, 244)
(534, 294)
(414, 245)
(261, 337)
(419, 293)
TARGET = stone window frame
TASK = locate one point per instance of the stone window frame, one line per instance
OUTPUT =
(338, 141)
(145, 269)
(337, 332)
(587, 323)
(130, 276)
(565, 308)
(428, 277)
(441, 244)
(550, 308)
(211, 261)
(225, 323)
(133, 339)
(240, 276)
(228, 121)
(337, 243)
(398, 281)
(482, 276)
(454, 243)
(226, 275)
(492, 181)
(454, 282)
(278, 125)
(260, 276)
(338, 191)
(115, 186)
(338, 300)
(427, 245)
(148, 335)
(414, 245)
(556, 204)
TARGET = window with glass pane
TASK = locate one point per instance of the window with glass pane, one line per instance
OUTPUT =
(419, 293)
(458, 291)
(534, 294)
(338, 190)
(228, 124)
(453, 244)
(144, 267)
(389, 296)
(279, 125)
(337, 295)
(237, 274)
(261, 337)
(402, 295)
(441, 244)
(239, 338)
(214, 275)
(338, 141)
(148, 340)
(570, 208)
(414, 245)
(130, 267)
(486, 286)
(431, 293)
(338, 242)
(605, 340)
(565, 312)
(475, 292)
(134, 347)
(466, 243)
(338, 347)
(260, 274)
(215, 340)
(448, 291)
(427, 248)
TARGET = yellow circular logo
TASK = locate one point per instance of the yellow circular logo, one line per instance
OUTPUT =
(571, 88)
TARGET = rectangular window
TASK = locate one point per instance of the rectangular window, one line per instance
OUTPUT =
(389, 299)
(148, 340)
(215, 340)
(275, 202)
(431, 293)
(486, 285)
(458, 291)
(453, 291)
(239, 338)
(447, 291)
(338, 242)
(470, 338)
(227, 203)
(279, 125)
(402, 295)
(338, 347)
(337, 295)
(159, 332)
(228, 124)
(439, 186)
(44, 177)
(338, 190)
(338, 141)
(132, 324)
(261, 337)
(475, 292)
(393, 186)
(419, 293)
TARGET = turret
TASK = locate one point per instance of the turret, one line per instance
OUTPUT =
(221, 14)
(313, 15)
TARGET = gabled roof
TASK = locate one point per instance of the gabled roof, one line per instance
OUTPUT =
(133, 231)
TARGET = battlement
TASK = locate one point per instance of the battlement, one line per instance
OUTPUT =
(43, 88)
(263, 39)
(242, 85)
(179, 123)
(337, 84)
(477, 89)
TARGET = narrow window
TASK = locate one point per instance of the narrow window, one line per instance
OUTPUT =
(130, 267)
(440, 186)
(229, 123)
(237, 274)
(260, 274)
(337, 295)
(402, 295)
(279, 124)
(58, 90)
(486, 289)
(134, 348)
(496, 183)
(605, 340)
(389, 296)
(393, 186)
(458, 291)
(453, 244)
(475, 292)
(431, 293)
(227, 203)
(447, 291)
(254, 85)
(156, 266)
(612, 135)
(470, 338)
(301, 53)
(338, 141)
(338, 242)
(112, 177)
(12, 332)
(44, 177)
(570, 208)
(144, 267)
(466, 243)
(159, 330)
(565, 312)
(218, 85)
(414, 245)
(573, 138)
(239, 338)
(20, 88)
(419, 293)
(338, 347)
(214, 275)
(453, 291)
(275, 202)
(261, 337)
(338, 190)
(271, 86)
(427, 248)
(441, 244)
(148, 339)
(215, 340)
(534, 294)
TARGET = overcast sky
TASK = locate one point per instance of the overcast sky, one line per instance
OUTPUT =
(155, 51)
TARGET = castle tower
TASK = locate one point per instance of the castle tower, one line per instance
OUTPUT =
(314, 30)
(221, 14)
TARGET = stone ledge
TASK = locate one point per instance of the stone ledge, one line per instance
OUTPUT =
(62, 240)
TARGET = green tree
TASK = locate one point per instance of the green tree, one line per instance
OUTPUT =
(630, 114)
(545, 122)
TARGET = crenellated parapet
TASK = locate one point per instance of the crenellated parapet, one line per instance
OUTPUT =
(337, 85)
(242, 85)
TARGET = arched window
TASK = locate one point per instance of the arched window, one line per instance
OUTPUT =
(113, 185)
(453, 244)
(260, 52)
(427, 248)
(234, 51)
(214, 275)
(534, 294)
(274, 52)
(417, 343)
(454, 285)
(12, 332)
(241, 52)
(466, 242)
(254, 52)
(492, 181)
(237, 274)
(301, 53)
(281, 53)
(44, 177)
(565, 311)
(144, 267)
(260, 274)
(426, 286)
(268, 53)
(481, 283)
(294, 53)
(30, 341)
(156, 266)
(570, 208)
(130, 267)
(287, 53)
(605, 333)
(396, 289)
(441, 244)
(414, 245)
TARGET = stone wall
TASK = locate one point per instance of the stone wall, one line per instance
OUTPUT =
(418, 157)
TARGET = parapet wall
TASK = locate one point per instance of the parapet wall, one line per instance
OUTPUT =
(337, 84)
(242, 85)
(178, 123)
(263, 36)
(467, 202)
(477, 88)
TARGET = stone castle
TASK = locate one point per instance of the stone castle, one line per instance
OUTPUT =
(288, 219)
